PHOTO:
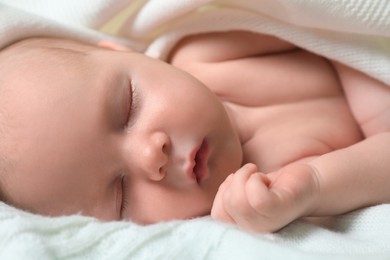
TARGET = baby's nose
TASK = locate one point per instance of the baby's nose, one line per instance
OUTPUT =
(154, 157)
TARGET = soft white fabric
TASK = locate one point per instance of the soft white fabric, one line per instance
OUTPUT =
(355, 32)
(364, 234)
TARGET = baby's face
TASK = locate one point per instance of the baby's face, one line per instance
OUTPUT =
(115, 135)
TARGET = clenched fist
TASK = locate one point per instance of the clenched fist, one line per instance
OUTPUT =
(266, 202)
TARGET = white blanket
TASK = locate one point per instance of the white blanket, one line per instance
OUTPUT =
(364, 234)
(355, 32)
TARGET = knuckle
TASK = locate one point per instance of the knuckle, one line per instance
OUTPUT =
(258, 194)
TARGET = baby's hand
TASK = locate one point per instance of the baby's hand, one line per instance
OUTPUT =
(265, 203)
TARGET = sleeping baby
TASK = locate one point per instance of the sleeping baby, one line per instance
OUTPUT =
(243, 126)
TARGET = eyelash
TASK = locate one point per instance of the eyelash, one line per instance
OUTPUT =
(132, 106)
(124, 199)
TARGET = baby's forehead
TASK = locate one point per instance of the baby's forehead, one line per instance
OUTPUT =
(30, 54)
(25, 64)
(39, 49)
(50, 44)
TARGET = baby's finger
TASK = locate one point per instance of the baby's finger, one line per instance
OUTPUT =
(235, 200)
(259, 195)
(218, 211)
(247, 168)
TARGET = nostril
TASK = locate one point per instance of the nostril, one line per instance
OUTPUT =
(162, 173)
(164, 148)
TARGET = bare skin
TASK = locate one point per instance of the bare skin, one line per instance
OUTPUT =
(94, 133)
(315, 132)
(113, 134)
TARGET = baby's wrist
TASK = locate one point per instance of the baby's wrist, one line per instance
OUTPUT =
(313, 191)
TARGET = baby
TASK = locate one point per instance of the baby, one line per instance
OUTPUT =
(265, 133)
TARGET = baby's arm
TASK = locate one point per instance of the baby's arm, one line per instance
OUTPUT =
(240, 67)
(224, 46)
(330, 184)
(353, 177)
(359, 175)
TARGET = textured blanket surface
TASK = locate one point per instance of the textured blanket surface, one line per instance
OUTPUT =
(355, 32)
(363, 234)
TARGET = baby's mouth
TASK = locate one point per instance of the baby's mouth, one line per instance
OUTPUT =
(200, 167)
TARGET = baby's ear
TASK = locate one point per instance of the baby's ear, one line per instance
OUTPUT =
(113, 46)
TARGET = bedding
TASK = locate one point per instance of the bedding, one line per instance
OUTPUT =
(354, 32)
(363, 234)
